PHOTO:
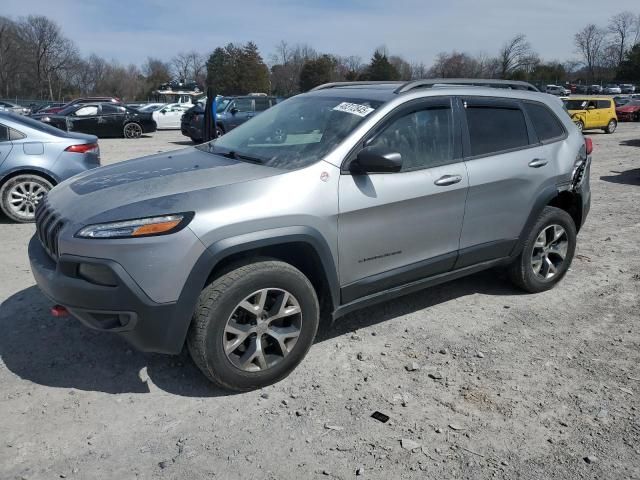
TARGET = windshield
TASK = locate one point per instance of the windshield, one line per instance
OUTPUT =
(295, 133)
(633, 103)
(221, 104)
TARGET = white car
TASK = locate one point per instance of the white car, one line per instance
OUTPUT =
(612, 88)
(557, 90)
(169, 116)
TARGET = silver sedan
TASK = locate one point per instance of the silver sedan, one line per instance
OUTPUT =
(34, 157)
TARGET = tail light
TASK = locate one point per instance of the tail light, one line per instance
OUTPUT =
(588, 143)
(84, 148)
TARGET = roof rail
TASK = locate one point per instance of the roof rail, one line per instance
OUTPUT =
(349, 84)
(474, 82)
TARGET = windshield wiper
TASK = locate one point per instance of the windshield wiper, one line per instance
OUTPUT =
(236, 156)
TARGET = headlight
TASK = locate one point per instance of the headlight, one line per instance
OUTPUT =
(141, 227)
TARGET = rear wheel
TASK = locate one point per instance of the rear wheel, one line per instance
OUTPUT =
(21, 194)
(253, 325)
(547, 252)
(611, 126)
(132, 130)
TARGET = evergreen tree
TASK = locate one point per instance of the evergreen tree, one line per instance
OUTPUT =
(237, 70)
(316, 72)
(380, 68)
(630, 67)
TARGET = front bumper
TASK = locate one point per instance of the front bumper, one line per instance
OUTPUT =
(123, 308)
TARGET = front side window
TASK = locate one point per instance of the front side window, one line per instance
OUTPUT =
(243, 105)
(496, 129)
(424, 138)
(295, 133)
(545, 123)
(87, 111)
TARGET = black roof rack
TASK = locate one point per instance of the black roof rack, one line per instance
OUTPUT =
(436, 82)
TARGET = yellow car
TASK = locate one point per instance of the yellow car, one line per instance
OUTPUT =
(590, 113)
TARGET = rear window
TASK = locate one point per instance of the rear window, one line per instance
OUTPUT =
(545, 123)
(495, 129)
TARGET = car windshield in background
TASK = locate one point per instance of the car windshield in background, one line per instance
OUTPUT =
(632, 103)
(221, 105)
(576, 104)
(295, 133)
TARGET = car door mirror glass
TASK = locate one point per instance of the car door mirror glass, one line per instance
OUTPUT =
(371, 160)
(234, 110)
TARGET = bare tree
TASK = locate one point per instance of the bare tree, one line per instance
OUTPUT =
(516, 54)
(46, 51)
(9, 56)
(623, 29)
(590, 45)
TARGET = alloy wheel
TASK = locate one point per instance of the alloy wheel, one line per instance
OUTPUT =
(549, 251)
(24, 198)
(262, 330)
(132, 130)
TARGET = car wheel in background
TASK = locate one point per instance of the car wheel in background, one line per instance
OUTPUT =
(253, 325)
(547, 252)
(21, 194)
(611, 126)
(132, 130)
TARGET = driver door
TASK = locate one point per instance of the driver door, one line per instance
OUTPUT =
(240, 110)
(84, 120)
(395, 228)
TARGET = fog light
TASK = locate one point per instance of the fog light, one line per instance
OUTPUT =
(98, 274)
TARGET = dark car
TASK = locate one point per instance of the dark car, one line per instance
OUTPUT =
(594, 89)
(181, 86)
(79, 101)
(102, 120)
(230, 112)
(581, 89)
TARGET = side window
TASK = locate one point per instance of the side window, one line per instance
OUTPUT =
(243, 105)
(109, 109)
(545, 123)
(261, 104)
(424, 138)
(495, 129)
(87, 111)
(604, 103)
(16, 135)
(4, 133)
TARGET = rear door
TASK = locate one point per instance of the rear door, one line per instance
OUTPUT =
(604, 112)
(5, 143)
(395, 228)
(508, 169)
(110, 120)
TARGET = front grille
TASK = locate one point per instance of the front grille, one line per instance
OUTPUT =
(48, 226)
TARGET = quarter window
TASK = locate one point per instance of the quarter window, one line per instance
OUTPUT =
(4, 133)
(423, 138)
(495, 129)
(545, 123)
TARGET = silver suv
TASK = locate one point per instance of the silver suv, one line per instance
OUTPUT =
(342, 197)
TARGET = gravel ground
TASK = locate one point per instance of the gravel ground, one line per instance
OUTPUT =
(478, 379)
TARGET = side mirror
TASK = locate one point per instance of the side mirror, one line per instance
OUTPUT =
(371, 160)
(234, 110)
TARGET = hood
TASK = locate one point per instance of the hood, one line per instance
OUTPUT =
(628, 108)
(163, 183)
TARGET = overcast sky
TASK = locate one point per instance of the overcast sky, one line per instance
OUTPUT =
(132, 30)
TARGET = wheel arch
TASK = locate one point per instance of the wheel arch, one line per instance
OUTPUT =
(29, 171)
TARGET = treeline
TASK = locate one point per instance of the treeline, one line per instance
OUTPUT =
(37, 61)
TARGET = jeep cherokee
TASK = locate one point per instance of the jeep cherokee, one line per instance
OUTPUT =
(339, 198)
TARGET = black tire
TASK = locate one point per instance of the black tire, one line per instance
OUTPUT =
(521, 271)
(611, 126)
(38, 185)
(132, 130)
(220, 300)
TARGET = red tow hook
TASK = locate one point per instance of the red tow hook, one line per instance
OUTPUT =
(59, 311)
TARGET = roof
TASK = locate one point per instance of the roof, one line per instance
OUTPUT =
(403, 87)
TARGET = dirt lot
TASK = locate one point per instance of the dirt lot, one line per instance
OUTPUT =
(508, 385)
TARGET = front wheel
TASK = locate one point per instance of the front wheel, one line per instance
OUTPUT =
(611, 126)
(21, 194)
(253, 325)
(547, 252)
(132, 130)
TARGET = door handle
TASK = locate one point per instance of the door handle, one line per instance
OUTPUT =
(448, 180)
(538, 162)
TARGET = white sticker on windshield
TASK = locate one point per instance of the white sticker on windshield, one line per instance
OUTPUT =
(354, 108)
